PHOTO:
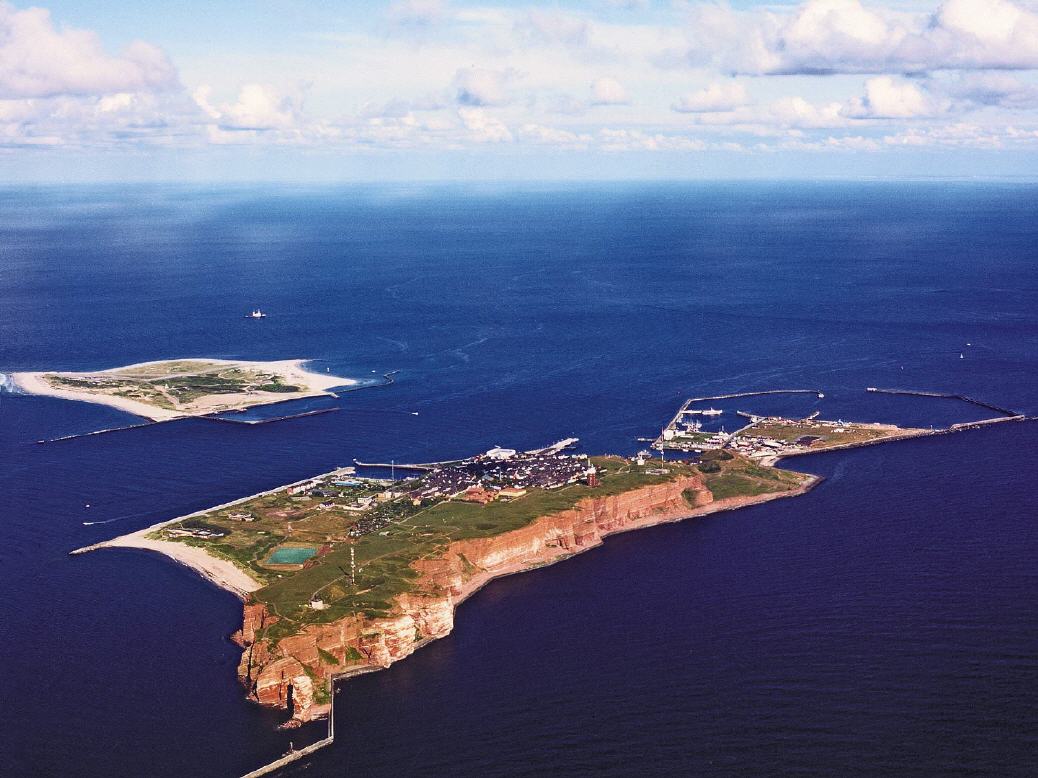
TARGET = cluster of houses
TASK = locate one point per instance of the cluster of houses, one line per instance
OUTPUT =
(690, 438)
(499, 474)
(756, 445)
(502, 473)
(761, 445)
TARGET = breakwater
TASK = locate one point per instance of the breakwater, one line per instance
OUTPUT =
(101, 432)
(225, 420)
(295, 754)
(945, 396)
(286, 417)
(731, 395)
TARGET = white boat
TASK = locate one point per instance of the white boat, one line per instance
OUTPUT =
(712, 412)
(256, 314)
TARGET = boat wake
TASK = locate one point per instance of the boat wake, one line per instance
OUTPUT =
(116, 518)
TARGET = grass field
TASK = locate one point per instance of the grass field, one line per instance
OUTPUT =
(828, 433)
(385, 559)
(739, 477)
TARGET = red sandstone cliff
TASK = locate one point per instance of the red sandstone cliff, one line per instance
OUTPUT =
(359, 643)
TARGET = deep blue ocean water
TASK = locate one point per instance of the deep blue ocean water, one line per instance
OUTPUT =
(881, 625)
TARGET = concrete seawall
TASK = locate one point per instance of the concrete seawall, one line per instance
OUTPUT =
(287, 759)
(296, 755)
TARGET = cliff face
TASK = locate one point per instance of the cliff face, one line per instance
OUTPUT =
(358, 643)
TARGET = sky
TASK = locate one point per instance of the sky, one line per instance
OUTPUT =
(319, 90)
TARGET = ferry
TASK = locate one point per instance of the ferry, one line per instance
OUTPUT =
(256, 314)
(712, 412)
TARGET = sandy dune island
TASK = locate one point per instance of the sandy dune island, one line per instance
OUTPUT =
(175, 388)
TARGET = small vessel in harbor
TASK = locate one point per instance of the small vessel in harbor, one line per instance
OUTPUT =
(256, 314)
(712, 412)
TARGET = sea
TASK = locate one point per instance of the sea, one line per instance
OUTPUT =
(883, 624)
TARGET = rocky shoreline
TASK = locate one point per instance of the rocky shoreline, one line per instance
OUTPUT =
(302, 667)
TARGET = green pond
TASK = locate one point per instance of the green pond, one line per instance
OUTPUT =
(291, 555)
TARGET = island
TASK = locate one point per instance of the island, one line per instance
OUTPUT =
(342, 574)
(177, 388)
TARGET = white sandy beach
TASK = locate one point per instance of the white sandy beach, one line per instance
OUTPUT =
(221, 572)
(291, 371)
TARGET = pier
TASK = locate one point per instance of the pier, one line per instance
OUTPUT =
(292, 756)
(299, 753)
(423, 467)
(685, 406)
(945, 396)
(387, 380)
(818, 392)
(249, 422)
(101, 432)
(253, 422)
(969, 425)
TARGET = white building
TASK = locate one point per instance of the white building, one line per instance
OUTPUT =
(500, 453)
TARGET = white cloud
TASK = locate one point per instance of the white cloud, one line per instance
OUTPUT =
(553, 136)
(431, 76)
(962, 135)
(38, 60)
(639, 140)
(415, 13)
(482, 127)
(555, 27)
(398, 107)
(845, 36)
(721, 96)
(257, 107)
(887, 98)
(786, 113)
(608, 91)
(566, 104)
(480, 87)
(201, 97)
(999, 89)
(803, 114)
(830, 143)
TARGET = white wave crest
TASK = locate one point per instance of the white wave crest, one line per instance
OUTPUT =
(8, 385)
